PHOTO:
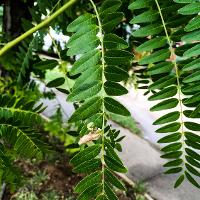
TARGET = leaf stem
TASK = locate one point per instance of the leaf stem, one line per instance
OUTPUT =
(177, 77)
(14, 42)
(101, 36)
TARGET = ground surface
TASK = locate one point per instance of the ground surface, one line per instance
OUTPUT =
(54, 180)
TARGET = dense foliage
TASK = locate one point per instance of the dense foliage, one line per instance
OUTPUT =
(95, 64)
(175, 75)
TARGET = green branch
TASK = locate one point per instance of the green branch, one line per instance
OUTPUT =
(14, 42)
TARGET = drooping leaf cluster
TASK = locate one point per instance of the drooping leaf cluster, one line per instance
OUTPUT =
(19, 125)
(100, 69)
(175, 77)
(26, 56)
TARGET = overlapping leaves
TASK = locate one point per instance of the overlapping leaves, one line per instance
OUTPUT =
(101, 67)
(173, 80)
(19, 121)
(190, 77)
(19, 125)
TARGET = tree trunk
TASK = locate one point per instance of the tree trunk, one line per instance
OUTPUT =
(14, 11)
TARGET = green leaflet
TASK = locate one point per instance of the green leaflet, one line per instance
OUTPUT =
(138, 4)
(44, 65)
(172, 147)
(87, 154)
(192, 126)
(90, 45)
(190, 9)
(81, 36)
(163, 94)
(87, 181)
(111, 152)
(109, 193)
(25, 145)
(118, 57)
(113, 180)
(92, 74)
(190, 89)
(193, 99)
(12, 101)
(190, 37)
(56, 82)
(173, 127)
(185, 1)
(89, 108)
(179, 181)
(170, 138)
(109, 6)
(170, 117)
(87, 61)
(174, 163)
(163, 67)
(194, 51)
(86, 39)
(85, 91)
(152, 44)
(160, 55)
(191, 179)
(192, 144)
(192, 65)
(193, 137)
(110, 21)
(163, 82)
(114, 165)
(81, 21)
(88, 166)
(195, 113)
(166, 104)
(193, 154)
(153, 29)
(115, 107)
(90, 192)
(114, 89)
(194, 24)
(174, 154)
(192, 161)
(112, 41)
(97, 119)
(148, 16)
(174, 170)
(116, 74)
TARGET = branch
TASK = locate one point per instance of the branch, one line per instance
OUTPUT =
(14, 42)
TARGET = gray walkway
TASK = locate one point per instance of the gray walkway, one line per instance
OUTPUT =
(142, 159)
(144, 164)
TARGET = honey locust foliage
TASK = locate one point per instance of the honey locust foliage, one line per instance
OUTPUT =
(102, 52)
(19, 125)
(175, 75)
(101, 59)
